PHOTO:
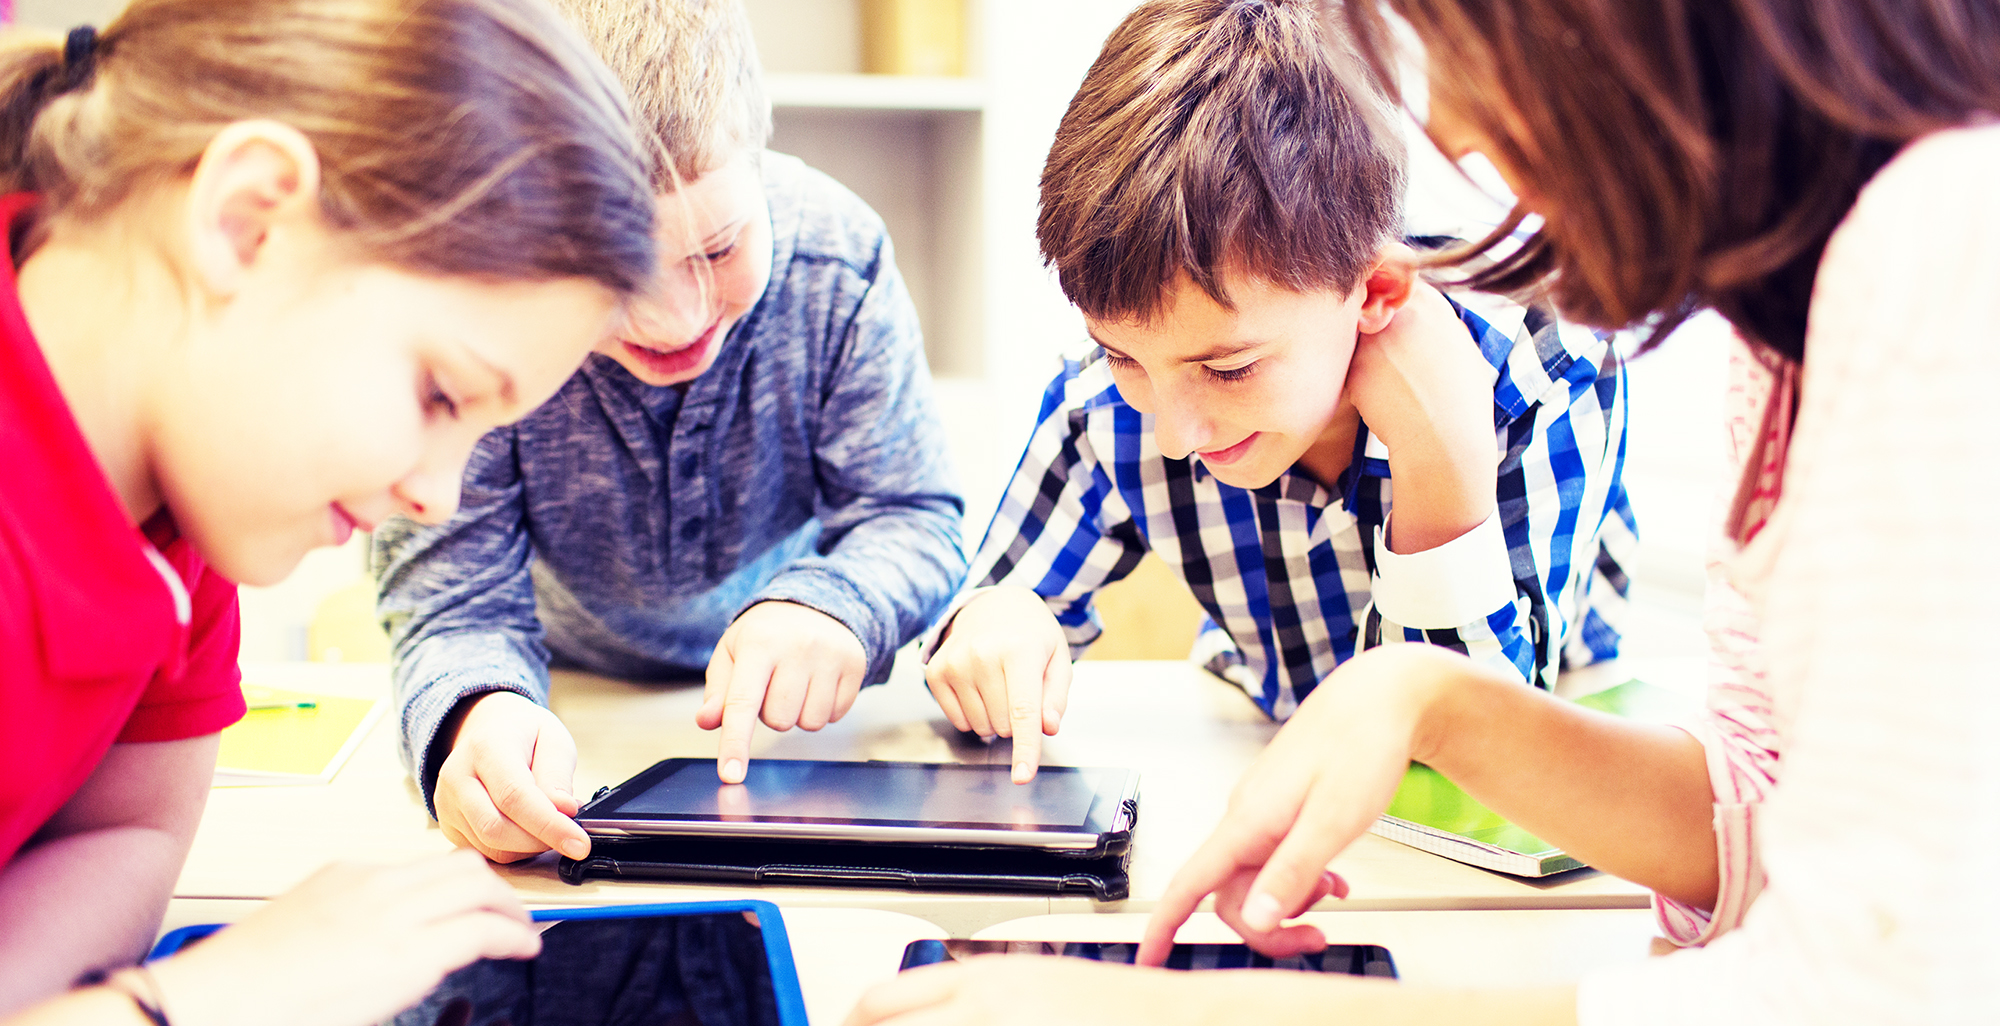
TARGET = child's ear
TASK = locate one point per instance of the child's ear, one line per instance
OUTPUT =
(1387, 286)
(253, 177)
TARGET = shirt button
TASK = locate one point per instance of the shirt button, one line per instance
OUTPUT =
(691, 529)
(690, 464)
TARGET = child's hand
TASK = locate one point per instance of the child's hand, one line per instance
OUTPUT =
(1424, 389)
(351, 945)
(794, 665)
(1320, 783)
(505, 789)
(1037, 990)
(1422, 374)
(1004, 669)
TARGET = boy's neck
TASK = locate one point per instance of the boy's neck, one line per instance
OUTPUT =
(1327, 458)
(86, 337)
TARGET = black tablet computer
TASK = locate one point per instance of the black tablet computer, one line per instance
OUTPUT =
(1351, 959)
(1064, 807)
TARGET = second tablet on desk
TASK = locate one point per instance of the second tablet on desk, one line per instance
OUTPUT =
(1351, 959)
(920, 825)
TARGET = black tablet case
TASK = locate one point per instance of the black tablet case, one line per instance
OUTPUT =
(1101, 874)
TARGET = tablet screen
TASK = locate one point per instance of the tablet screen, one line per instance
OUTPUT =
(708, 969)
(904, 794)
(1352, 959)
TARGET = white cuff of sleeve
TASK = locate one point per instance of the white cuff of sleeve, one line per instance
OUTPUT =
(1449, 585)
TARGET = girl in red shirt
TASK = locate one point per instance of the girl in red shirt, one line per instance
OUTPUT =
(275, 266)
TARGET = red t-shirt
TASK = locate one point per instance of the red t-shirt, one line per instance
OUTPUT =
(105, 636)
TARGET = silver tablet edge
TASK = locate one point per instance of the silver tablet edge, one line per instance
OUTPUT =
(841, 832)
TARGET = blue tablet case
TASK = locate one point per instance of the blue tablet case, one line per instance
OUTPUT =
(790, 1002)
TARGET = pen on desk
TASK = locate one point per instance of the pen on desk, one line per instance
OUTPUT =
(272, 704)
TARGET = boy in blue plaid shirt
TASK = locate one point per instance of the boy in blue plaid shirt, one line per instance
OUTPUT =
(1330, 453)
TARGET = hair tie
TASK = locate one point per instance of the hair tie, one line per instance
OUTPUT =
(79, 57)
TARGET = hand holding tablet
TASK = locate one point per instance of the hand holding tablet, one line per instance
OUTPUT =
(506, 788)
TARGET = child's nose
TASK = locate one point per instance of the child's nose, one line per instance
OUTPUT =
(429, 494)
(1180, 426)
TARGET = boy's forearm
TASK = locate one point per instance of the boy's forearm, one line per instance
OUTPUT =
(1427, 394)
(1443, 486)
(469, 576)
(1632, 799)
(887, 576)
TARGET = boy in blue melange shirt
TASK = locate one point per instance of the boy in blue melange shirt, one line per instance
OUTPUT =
(747, 481)
(1329, 452)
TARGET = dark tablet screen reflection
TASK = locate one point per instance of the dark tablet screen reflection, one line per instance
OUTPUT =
(873, 791)
(697, 970)
(1351, 959)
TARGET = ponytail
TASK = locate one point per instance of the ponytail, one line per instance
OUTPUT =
(33, 72)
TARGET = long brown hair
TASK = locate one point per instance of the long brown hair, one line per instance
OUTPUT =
(1693, 153)
(459, 137)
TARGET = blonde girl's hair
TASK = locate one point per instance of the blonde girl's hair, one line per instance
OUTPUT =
(456, 137)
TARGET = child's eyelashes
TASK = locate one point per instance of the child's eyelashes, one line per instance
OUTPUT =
(719, 255)
(1126, 363)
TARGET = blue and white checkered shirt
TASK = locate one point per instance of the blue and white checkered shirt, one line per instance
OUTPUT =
(1293, 575)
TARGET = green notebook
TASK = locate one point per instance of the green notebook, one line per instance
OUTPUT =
(1431, 813)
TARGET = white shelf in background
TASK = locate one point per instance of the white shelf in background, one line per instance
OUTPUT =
(875, 92)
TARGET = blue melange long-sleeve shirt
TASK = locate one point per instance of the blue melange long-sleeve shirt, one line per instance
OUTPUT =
(621, 527)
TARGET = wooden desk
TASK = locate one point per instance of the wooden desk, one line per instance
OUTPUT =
(1189, 735)
(841, 952)
(1502, 948)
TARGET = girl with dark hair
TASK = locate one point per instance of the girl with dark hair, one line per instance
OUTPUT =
(1821, 172)
(273, 267)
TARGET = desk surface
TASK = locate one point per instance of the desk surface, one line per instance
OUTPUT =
(1464, 949)
(1189, 735)
(841, 952)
